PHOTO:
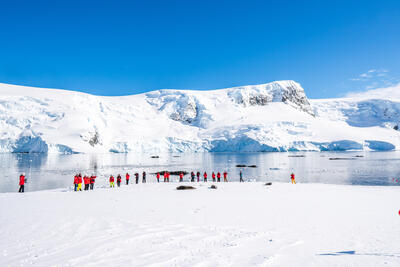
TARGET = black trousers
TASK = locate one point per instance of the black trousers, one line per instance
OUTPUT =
(91, 186)
(127, 181)
(137, 180)
(118, 183)
(241, 179)
(21, 188)
(144, 180)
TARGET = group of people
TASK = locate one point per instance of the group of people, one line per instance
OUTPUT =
(88, 181)
(127, 178)
(216, 177)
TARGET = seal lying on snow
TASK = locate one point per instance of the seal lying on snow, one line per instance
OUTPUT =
(185, 187)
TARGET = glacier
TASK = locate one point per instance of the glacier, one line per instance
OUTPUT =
(272, 117)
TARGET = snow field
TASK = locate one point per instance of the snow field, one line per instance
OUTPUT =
(246, 224)
(275, 116)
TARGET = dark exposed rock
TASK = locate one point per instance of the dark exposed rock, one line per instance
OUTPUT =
(341, 158)
(269, 183)
(240, 165)
(213, 187)
(173, 172)
(252, 166)
(154, 157)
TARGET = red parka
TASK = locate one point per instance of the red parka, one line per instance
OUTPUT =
(218, 175)
(21, 180)
(111, 179)
(92, 179)
(127, 176)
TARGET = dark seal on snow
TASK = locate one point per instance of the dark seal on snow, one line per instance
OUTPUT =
(185, 187)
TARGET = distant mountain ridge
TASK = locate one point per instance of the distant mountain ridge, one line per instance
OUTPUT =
(276, 116)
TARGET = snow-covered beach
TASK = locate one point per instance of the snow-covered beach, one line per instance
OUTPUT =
(233, 225)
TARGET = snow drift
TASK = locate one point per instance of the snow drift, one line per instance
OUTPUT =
(276, 116)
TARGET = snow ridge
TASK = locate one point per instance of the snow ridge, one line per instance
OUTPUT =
(275, 116)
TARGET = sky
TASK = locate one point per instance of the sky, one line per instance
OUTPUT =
(129, 47)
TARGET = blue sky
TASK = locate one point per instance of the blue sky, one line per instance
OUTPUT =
(128, 47)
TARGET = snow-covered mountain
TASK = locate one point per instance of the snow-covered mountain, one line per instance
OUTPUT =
(269, 117)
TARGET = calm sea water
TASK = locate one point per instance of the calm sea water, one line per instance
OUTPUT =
(57, 171)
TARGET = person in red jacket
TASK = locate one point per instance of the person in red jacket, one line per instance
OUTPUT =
(292, 178)
(86, 181)
(127, 178)
(111, 181)
(22, 183)
(168, 174)
(225, 176)
(158, 177)
(92, 180)
(213, 176)
(119, 180)
(76, 182)
(205, 176)
(218, 177)
(79, 182)
(181, 177)
(198, 176)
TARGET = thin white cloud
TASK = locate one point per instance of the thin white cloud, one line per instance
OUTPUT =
(375, 78)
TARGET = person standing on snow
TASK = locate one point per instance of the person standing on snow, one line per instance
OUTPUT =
(225, 176)
(86, 182)
(213, 176)
(111, 181)
(241, 176)
(192, 175)
(144, 177)
(127, 178)
(136, 177)
(292, 178)
(198, 176)
(158, 177)
(79, 182)
(218, 177)
(205, 176)
(181, 177)
(22, 183)
(119, 180)
(92, 180)
(168, 174)
(165, 176)
(76, 182)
